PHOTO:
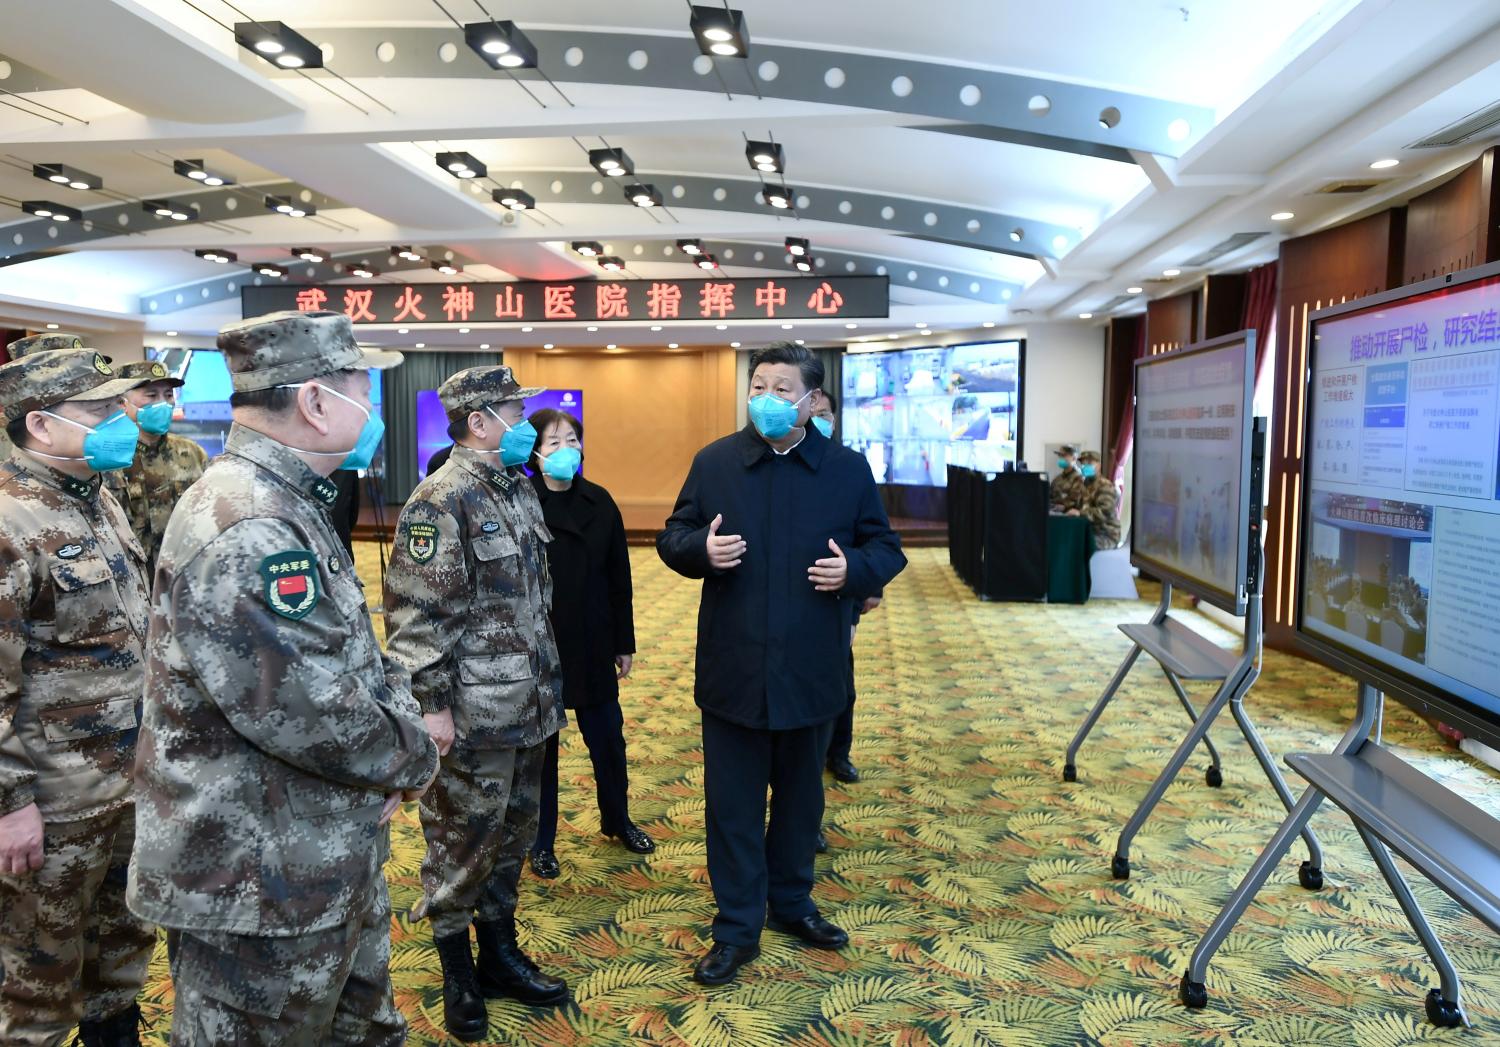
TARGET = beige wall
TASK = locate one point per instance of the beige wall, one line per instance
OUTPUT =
(646, 412)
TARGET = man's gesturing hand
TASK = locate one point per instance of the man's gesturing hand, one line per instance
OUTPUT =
(724, 550)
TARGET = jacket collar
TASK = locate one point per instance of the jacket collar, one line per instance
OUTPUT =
(83, 490)
(567, 514)
(482, 465)
(753, 447)
(281, 462)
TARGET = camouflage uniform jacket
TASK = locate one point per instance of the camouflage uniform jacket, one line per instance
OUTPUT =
(73, 610)
(273, 727)
(163, 469)
(466, 598)
(1101, 507)
(1067, 490)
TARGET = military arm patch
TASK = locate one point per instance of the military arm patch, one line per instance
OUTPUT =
(291, 582)
(421, 541)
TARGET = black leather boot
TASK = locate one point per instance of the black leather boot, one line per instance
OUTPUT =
(118, 1030)
(464, 1015)
(504, 970)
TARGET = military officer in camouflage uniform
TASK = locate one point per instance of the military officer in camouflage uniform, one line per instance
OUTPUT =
(165, 464)
(276, 739)
(37, 343)
(73, 611)
(466, 602)
(1101, 502)
(1067, 486)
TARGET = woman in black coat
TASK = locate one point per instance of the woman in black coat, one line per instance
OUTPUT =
(594, 622)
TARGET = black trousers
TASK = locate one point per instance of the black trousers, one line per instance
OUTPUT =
(603, 730)
(843, 728)
(753, 863)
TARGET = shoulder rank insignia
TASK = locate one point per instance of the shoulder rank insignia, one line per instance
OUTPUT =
(500, 480)
(291, 579)
(489, 527)
(421, 541)
(79, 488)
(325, 491)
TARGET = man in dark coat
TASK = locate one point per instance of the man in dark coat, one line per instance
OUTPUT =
(787, 532)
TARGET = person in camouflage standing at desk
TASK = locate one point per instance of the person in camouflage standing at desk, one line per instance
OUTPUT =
(466, 600)
(165, 464)
(73, 610)
(276, 739)
(1101, 502)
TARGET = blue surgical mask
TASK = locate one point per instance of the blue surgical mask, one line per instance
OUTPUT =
(823, 425)
(362, 454)
(516, 444)
(108, 446)
(773, 416)
(1088, 471)
(563, 463)
(155, 418)
(1062, 463)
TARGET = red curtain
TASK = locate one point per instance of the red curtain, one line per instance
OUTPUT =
(1260, 308)
(1126, 436)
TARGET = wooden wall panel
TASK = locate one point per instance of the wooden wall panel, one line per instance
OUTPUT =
(1119, 379)
(1223, 310)
(1452, 227)
(1172, 323)
(646, 414)
(1326, 268)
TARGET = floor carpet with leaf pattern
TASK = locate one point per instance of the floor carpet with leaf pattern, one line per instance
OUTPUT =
(973, 882)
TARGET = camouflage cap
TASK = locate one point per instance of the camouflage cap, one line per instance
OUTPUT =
(476, 387)
(286, 348)
(149, 371)
(53, 376)
(1067, 449)
(41, 343)
(1088, 456)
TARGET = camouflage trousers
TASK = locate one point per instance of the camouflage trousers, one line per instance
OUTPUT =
(480, 819)
(69, 949)
(312, 990)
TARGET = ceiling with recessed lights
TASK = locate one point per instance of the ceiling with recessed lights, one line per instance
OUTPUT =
(1000, 161)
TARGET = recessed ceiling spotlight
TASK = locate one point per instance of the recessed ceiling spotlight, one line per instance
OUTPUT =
(786, 327)
(546, 345)
(851, 327)
(707, 261)
(526, 330)
(461, 165)
(591, 328)
(721, 327)
(720, 31)
(1381, 165)
(195, 171)
(52, 327)
(171, 334)
(1132, 290)
(1085, 316)
(734, 345)
(310, 254)
(364, 272)
(62, 174)
(173, 209)
(671, 345)
(588, 248)
(693, 247)
(803, 265)
(514, 199)
(419, 345)
(611, 163)
(267, 269)
(643, 195)
(214, 255)
(278, 44)
(1283, 216)
(403, 330)
(406, 251)
(801, 341)
(988, 323)
(656, 327)
(921, 323)
(501, 45)
(289, 207)
(797, 246)
(484, 345)
(446, 268)
(779, 197)
(47, 209)
(766, 157)
(611, 345)
(611, 264)
(1171, 272)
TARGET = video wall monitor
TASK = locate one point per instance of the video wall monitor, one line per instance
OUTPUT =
(1190, 500)
(1398, 552)
(432, 420)
(914, 412)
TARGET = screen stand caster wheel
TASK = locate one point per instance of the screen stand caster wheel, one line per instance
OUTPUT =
(1119, 867)
(1214, 777)
(1070, 773)
(1441, 1012)
(1193, 994)
(1310, 876)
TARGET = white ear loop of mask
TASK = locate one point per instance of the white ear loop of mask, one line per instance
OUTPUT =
(58, 457)
(341, 396)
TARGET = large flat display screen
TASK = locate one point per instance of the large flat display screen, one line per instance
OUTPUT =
(1191, 468)
(432, 421)
(913, 412)
(1400, 532)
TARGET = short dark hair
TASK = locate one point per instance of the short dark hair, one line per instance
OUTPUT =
(803, 358)
(543, 420)
(833, 404)
(16, 430)
(459, 427)
(279, 399)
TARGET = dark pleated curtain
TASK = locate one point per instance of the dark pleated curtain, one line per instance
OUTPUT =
(1125, 439)
(1260, 308)
(420, 371)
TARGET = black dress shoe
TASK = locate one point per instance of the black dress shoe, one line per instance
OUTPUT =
(464, 1015)
(723, 962)
(634, 839)
(843, 770)
(814, 930)
(504, 970)
(822, 844)
(544, 864)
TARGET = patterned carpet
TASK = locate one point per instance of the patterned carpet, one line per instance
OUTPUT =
(974, 883)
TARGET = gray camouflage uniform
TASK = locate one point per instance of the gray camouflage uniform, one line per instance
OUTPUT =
(73, 609)
(273, 729)
(466, 598)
